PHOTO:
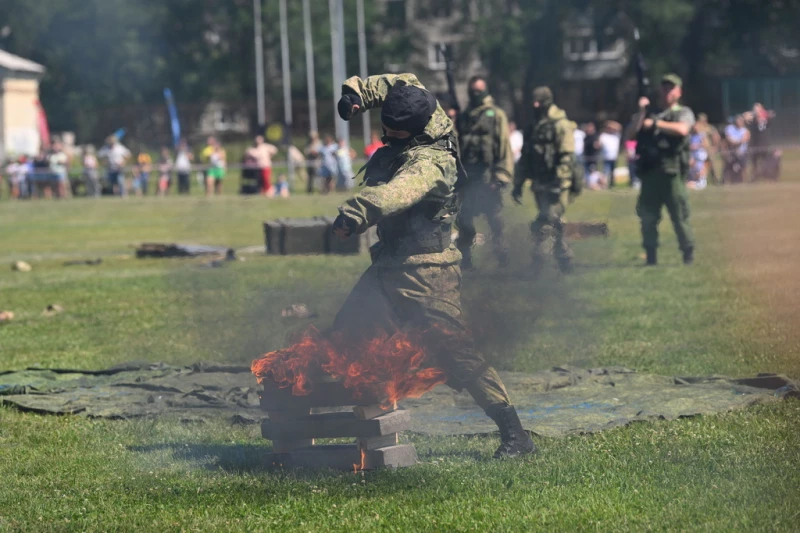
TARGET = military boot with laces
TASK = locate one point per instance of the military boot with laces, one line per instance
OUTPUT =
(514, 440)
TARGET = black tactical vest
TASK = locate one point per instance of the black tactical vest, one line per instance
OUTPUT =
(658, 151)
(476, 138)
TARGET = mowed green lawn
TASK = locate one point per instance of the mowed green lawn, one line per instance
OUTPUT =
(735, 471)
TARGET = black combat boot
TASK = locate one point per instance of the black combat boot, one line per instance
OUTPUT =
(688, 256)
(514, 441)
(652, 258)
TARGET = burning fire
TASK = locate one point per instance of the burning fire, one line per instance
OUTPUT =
(390, 366)
(363, 465)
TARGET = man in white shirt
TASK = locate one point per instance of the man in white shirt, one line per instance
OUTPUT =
(117, 155)
(609, 146)
(516, 139)
(580, 137)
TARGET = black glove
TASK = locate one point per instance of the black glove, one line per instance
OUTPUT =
(346, 104)
(516, 195)
(344, 226)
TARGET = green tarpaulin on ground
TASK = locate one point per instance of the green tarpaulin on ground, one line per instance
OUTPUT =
(556, 402)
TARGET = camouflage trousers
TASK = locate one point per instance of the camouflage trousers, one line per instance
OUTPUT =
(664, 190)
(423, 298)
(547, 230)
(481, 199)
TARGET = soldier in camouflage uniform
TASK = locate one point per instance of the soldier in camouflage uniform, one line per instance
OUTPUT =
(486, 153)
(414, 282)
(548, 160)
(663, 149)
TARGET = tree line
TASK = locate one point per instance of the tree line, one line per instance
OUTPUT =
(111, 54)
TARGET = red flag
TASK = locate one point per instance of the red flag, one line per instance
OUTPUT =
(44, 129)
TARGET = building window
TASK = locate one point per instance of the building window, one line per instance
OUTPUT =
(441, 9)
(437, 58)
(396, 14)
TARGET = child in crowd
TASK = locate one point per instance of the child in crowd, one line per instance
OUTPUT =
(596, 180)
(282, 187)
(164, 172)
(217, 160)
(697, 161)
(141, 176)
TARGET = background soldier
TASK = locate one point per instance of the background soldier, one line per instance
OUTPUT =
(486, 154)
(663, 148)
(548, 160)
(414, 282)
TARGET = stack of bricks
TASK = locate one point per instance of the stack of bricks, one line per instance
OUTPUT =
(293, 428)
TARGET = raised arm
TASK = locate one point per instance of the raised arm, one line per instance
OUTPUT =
(373, 90)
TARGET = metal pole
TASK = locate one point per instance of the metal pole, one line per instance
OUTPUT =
(338, 61)
(287, 84)
(362, 61)
(310, 79)
(343, 62)
(262, 113)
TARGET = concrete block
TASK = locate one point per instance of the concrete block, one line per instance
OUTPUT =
(324, 394)
(393, 456)
(344, 457)
(365, 412)
(373, 443)
(284, 446)
(336, 425)
(335, 456)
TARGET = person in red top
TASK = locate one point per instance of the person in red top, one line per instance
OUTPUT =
(373, 146)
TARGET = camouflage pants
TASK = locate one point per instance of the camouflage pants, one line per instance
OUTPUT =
(415, 298)
(480, 199)
(664, 190)
(547, 230)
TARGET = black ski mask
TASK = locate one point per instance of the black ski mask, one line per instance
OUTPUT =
(407, 108)
(476, 96)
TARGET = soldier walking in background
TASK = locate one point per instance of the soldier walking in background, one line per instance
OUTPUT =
(414, 282)
(483, 137)
(663, 148)
(548, 160)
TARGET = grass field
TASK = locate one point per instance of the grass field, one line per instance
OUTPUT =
(734, 312)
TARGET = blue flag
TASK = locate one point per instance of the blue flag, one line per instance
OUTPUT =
(173, 116)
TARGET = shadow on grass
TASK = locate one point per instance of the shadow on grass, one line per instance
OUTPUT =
(227, 457)
(251, 458)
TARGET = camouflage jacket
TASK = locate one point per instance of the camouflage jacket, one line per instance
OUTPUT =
(405, 188)
(484, 140)
(548, 153)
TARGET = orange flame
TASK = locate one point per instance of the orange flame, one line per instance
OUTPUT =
(391, 366)
(363, 465)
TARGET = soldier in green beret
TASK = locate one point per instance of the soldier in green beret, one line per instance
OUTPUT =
(663, 165)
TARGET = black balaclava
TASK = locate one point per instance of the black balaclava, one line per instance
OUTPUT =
(476, 96)
(407, 108)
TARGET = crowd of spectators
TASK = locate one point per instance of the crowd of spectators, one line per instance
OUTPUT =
(745, 142)
(744, 146)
